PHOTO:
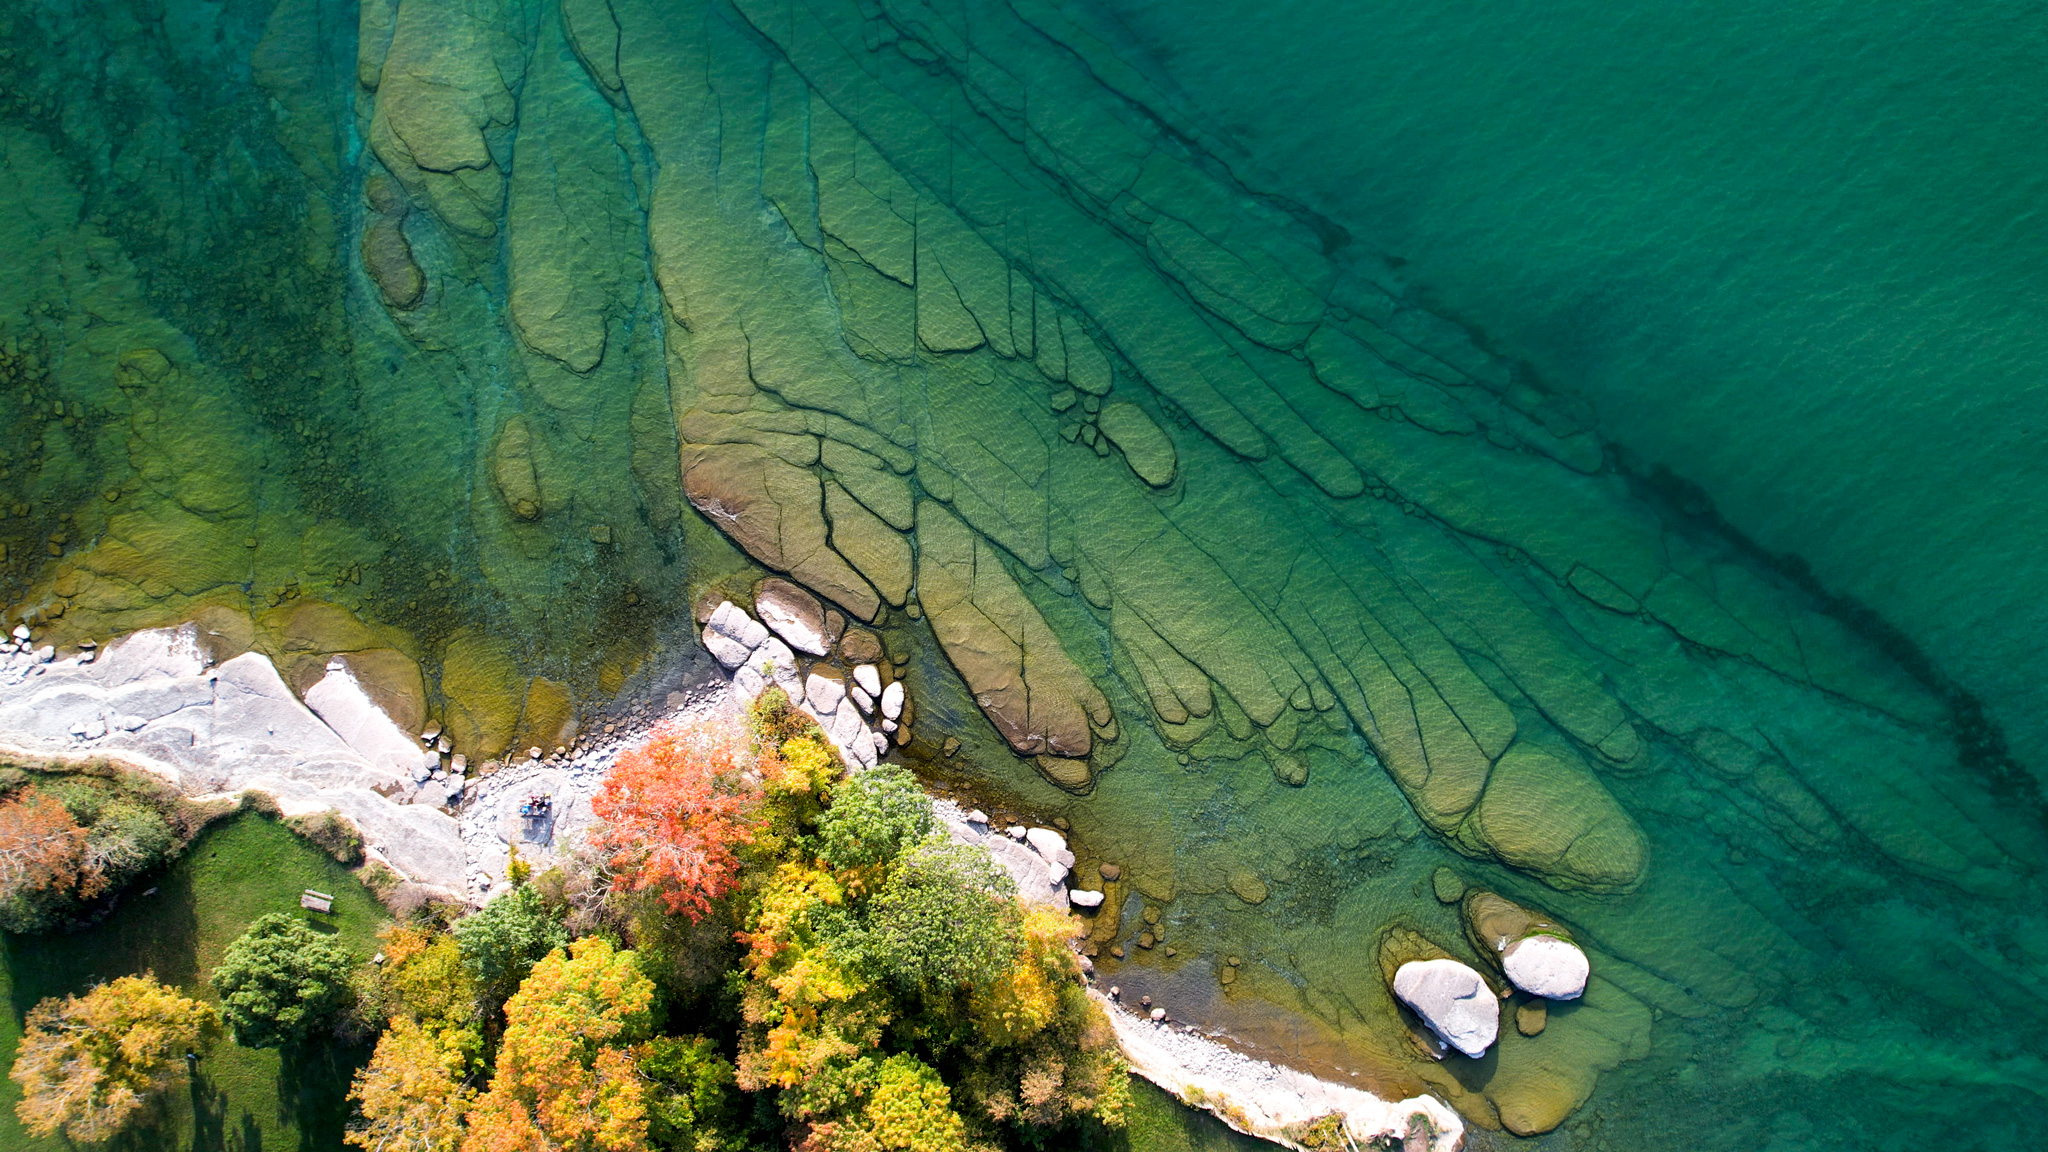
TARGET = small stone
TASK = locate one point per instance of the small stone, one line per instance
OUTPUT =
(1228, 975)
(1158, 1014)
(20, 632)
(1145, 940)
(1117, 951)
(1248, 887)
(1115, 993)
(1547, 966)
(892, 701)
(861, 700)
(978, 817)
(1532, 1017)
(1145, 1001)
(1110, 871)
(1151, 915)
(951, 747)
(1015, 832)
(533, 753)
(1171, 952)
(1233, 961)
(1083, 898)
(869, 678)
(432, 734)
(444, 746)
(1449, 886)
(860, 646)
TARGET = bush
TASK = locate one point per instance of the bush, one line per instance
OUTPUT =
(68, 839)
(332, 833)
(281, 982)
(942, 920)
(875, 817)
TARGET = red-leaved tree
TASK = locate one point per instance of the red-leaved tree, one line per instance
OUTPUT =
(42, 847)
(674, 810)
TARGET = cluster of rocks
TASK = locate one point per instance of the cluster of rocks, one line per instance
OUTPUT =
(841, 679)
(1458, 1004)
(1038, 859)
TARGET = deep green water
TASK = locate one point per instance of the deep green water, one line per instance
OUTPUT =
(1262, 415)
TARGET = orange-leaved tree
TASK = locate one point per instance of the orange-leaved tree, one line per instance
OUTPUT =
(42, 848)
(88, 1064)
(412, 1094)
(565, 1079)
(675, 810)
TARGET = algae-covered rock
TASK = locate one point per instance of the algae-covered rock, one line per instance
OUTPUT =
(1148, 450)
(547, 719)
(387, 257)
(1020, 675)
(776, 512)
(1551, 817)
(484, 692)
(512, 470)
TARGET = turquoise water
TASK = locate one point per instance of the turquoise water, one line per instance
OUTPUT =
(1791, 251)
(1248, 432)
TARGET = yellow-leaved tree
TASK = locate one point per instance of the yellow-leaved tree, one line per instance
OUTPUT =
(87, 1064)
(411, 1094)
(564, 1079)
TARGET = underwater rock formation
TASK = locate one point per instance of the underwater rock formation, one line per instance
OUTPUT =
(937, 311)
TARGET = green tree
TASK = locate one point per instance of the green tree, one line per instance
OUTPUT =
(911, 1109)
(281, 982)
(942, 920)
(693, 1104)
(503, 940)
(875, 817)
(87, 1064)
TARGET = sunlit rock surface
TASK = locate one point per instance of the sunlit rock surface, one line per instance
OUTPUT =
(1193, 524)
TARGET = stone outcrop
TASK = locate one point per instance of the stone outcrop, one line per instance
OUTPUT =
(818, 683)
(155, 701)
(1536, 954)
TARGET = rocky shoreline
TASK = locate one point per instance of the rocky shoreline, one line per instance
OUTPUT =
(155, 701)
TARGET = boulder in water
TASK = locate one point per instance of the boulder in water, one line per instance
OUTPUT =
(1454, 1000)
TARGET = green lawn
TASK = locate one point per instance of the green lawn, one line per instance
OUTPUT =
(243, 1099)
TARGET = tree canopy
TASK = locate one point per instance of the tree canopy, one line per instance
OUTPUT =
(281, 982)
(502, 941)
(675, 811)
(564, 1078)
(411, 1095)
(87, 1064)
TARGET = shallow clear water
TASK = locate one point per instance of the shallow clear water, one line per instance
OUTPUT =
(1254, 423)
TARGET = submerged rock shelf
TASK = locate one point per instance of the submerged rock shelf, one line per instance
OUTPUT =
(1192, 525)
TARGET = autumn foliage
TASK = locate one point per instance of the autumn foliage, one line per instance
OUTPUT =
(43, 849)
(565, 1080)
(674, 812)
(87, 1064)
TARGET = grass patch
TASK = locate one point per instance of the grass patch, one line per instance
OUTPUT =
(243, 1099)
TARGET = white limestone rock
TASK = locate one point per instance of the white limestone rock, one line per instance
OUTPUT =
(339, 700)
(1453, 1000)
(794, 614)
(1547, 966)
(892, 700)
(1083, 898)
(869, 678)
(824, 693)
(729, 652)
(734, 624)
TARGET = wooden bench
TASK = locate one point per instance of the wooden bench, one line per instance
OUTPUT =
(317, 901)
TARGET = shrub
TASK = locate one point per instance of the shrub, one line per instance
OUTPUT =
(875, 817)
(332, 833)
(67, 839)
(87, 1064)
(281, 982)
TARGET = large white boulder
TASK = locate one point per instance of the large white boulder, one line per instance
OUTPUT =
(794, 614)
(342, 704)
(1453, 1000)
(1546, 966)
